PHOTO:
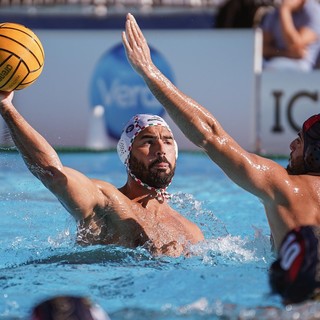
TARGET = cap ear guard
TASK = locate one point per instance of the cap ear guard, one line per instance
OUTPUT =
(311, 139)
(312, 157)
(123, 151)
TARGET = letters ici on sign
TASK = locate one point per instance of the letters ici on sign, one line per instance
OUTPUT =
(277, 95)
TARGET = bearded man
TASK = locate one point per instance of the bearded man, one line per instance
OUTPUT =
(137, 214)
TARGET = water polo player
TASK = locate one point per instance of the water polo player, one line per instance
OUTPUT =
(290, 196)
(137, 214)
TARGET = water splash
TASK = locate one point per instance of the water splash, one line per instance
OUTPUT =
(231, 248)
(218, 310)
(220, 245)
(195, 211)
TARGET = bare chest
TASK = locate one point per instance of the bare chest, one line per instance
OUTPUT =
(161, 231)
(167, 226)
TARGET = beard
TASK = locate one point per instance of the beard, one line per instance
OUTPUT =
(296, 168)
(157, 179)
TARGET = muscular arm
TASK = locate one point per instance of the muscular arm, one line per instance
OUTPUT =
(246, 169)
(75, 191)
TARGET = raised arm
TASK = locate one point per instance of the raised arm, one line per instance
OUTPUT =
(198, 124)
(75, 191)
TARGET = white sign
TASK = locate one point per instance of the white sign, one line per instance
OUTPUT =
(287, 99)
(215, 67)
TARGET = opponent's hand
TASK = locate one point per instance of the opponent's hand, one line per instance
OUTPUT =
(137, 49)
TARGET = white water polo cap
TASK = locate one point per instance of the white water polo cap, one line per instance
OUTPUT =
(134, 126)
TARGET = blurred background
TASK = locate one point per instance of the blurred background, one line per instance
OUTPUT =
(210, 49)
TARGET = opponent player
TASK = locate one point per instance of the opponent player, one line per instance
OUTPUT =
(290, 196)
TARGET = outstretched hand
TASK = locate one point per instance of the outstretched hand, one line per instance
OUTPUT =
(137, 49)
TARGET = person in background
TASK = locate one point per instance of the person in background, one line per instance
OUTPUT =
(241, 14)
(290, 195)
(291, 36)
(295, 274)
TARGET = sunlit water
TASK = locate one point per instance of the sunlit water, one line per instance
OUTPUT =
(225, 278)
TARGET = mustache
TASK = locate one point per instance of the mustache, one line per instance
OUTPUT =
(159, 160)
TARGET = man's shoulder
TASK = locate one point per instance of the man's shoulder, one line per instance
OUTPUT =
(109, 190)
(102, 184)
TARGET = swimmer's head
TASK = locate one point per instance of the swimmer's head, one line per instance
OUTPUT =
(68, 307)
(131, 130)
(311, 138)
(295, 275)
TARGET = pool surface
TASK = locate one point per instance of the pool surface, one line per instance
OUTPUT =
(225, 278)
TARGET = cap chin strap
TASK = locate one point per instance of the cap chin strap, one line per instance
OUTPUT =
(161, 192)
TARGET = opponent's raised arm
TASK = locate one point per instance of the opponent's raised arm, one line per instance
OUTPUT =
(44, 163)
(195, 121)
(177, 104)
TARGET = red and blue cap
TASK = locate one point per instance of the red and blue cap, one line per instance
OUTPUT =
(295, 275)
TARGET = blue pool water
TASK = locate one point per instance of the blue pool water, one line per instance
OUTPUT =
(225, 278)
